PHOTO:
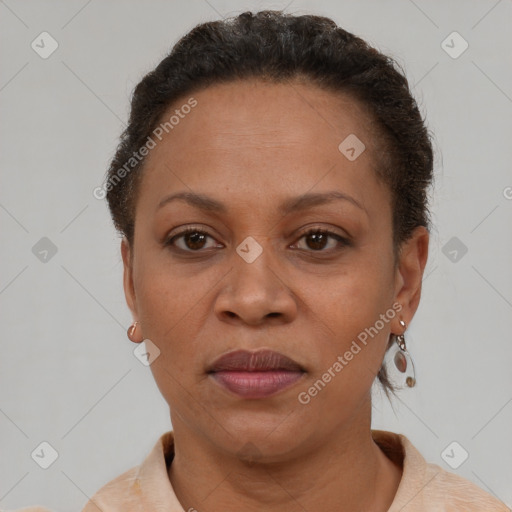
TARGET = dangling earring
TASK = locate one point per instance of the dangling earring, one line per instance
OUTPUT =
(403, 358)
(131, 332)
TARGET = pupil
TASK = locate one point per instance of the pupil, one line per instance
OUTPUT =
(318, 242)
(196, 238)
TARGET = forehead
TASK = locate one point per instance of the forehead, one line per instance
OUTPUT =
(254, 112)
(258, 137)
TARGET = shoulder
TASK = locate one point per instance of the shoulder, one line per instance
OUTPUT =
(114, 495)
(448, 491)
(141, 488)
(427, 487)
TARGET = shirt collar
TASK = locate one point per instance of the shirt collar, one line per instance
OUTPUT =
(151, 483)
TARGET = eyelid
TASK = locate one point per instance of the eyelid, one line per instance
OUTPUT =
(324, 229)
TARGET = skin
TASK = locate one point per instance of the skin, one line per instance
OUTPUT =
(252, 145)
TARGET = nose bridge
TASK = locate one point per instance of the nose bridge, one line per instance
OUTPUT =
(255, 289)
(253, 265)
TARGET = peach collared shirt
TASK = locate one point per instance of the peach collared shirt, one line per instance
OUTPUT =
(424, 487)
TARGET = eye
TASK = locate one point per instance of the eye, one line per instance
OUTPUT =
(194, 239)
(317, 240)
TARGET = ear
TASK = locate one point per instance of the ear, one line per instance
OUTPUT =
(409, 275)
(129, 289)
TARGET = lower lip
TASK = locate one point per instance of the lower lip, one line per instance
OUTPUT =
(256, 384)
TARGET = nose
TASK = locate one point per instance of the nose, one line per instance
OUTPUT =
(256, 293)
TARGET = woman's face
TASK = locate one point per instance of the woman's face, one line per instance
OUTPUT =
(255, 281)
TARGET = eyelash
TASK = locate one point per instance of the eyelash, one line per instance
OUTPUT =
(342, 240)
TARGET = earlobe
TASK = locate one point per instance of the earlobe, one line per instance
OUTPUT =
(129, 289)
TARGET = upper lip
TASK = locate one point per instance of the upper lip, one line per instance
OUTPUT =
(260, 360)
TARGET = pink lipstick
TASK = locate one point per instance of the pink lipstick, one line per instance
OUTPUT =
(255, 374)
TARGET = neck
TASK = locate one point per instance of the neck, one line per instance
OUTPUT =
(346, 472)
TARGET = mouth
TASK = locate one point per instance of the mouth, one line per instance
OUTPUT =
(257, 374)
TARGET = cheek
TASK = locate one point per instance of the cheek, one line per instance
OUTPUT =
(169, 308)
(356, 309)
(166, 295)
(353, 297)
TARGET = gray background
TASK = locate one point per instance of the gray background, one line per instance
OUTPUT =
(67, 372)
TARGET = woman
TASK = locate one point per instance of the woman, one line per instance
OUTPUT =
(271, 189)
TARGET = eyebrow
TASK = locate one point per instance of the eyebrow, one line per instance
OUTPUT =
(294, 204)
